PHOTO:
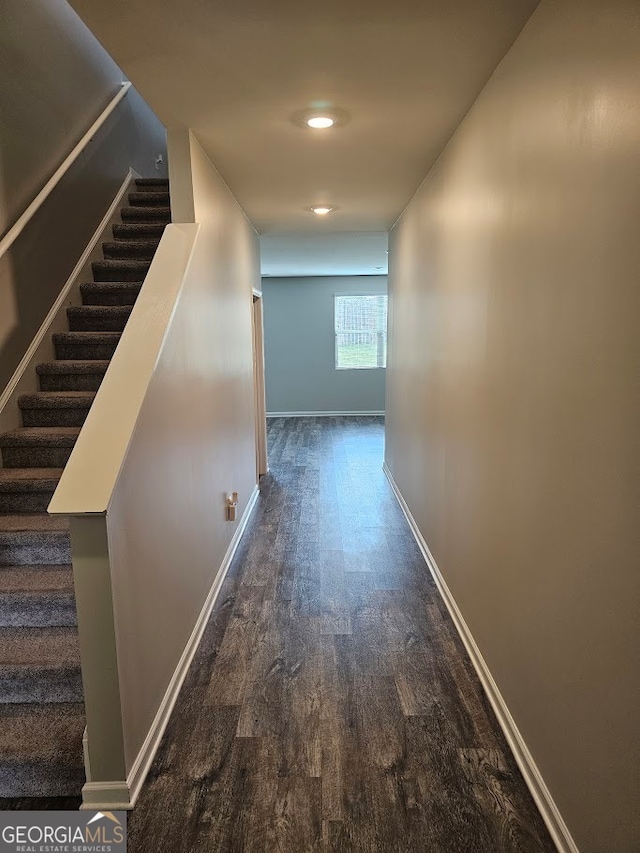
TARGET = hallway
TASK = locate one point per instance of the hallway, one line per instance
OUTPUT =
(331, 705)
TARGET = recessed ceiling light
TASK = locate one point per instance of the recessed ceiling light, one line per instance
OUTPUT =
(320, 122)
(320, 117)
(321, 209)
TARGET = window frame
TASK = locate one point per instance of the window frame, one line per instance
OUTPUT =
(384, 333)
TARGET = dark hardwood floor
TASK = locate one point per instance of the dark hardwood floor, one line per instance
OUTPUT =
(331, 705)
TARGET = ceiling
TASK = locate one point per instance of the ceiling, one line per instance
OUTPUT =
(405, 73)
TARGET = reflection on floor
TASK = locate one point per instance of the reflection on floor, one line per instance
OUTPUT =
(331, 706)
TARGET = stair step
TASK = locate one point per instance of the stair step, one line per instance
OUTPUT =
(81, 346)
(55, 408)
(121, 270)
(34, 447)
(41, 750)
(98, 318)
(37, 596)
(138, 230)
(24, 490)
(121, 249)
(36, 538)
(110, 292)
(71, 375)
(146, 214)
(149, 199)
(40, 665)
(150, 184)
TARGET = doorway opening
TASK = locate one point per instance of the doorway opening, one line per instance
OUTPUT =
(262, 462)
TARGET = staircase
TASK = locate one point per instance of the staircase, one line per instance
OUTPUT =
(41, 700)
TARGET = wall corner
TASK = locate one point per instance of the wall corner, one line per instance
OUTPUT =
(180, 174)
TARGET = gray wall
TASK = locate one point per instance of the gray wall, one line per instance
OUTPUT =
(299, 347)
(512, 398)
(197, 419)
(55, 80)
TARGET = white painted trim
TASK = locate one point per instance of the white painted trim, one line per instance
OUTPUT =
(59, 304)
(18, 227)
(85, 754)
(98, 795)
(323, 414)
(260, 400)
(109, 796)
(532, 776)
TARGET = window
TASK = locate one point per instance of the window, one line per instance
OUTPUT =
(361, 331)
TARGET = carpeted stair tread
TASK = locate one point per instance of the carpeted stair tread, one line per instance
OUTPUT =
(148, 184)
(27, 490)
(37, 447)
(143, 249)
(87, 336)
(55, 408)
(33, 537)
(40, 437)
(25, 580)
(49, 368)
(59, 731)
(35, 581)
(33, 523)
(40, 664)
(20, 479)
(98, 318)
(37, 596)
(46, 648)
(45, 609)
(120, 270)
(138, 230)
(41, 750)
(57, 400)
(29, 538)
(81, 375)
(146, 214)
(85, 346)
(149, 199)
(110, 292)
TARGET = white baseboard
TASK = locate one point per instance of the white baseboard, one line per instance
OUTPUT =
(123, 794)
(323, 414)
(106, 796)
(85, 754)
(539, 791)
(24, 379)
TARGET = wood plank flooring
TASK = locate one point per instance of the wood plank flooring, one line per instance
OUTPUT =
(331, 705)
